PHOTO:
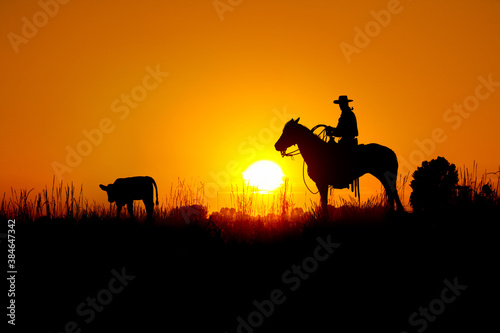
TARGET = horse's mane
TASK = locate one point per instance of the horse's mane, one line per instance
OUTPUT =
(306, 129)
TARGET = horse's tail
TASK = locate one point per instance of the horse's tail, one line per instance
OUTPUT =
(385, 169)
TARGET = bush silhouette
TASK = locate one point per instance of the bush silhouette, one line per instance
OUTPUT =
(433, 185)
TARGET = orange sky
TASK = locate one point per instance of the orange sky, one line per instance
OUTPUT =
(182, 89)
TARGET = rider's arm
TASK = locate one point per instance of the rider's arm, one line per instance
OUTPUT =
(340, 129)
(333, 131)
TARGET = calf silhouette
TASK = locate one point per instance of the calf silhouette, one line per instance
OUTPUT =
(126, 190)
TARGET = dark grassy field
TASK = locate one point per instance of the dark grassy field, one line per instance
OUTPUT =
(365, 270)
(189, 280)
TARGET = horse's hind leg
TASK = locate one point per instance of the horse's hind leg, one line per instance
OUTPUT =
(390, 196)
(388, 180)
(392, 190)
(399, 205)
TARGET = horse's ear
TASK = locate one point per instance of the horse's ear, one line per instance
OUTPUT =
(297, 120)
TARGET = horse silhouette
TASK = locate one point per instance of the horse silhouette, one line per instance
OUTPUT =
(126, 190)
(325, 165)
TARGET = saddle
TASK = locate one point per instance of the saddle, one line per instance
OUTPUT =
(346, 151)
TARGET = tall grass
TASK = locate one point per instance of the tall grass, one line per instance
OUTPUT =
(249, 200)
(251, 215)
(185, 202)
(60, 202)
(478, 191)
(257, 216)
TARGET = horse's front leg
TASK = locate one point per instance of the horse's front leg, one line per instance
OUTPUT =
(323, 192)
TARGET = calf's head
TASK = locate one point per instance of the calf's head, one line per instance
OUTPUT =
(110, 191)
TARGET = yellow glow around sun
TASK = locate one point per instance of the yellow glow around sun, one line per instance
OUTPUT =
(265, 175)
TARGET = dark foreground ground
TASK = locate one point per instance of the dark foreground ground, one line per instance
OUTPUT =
(371, 278)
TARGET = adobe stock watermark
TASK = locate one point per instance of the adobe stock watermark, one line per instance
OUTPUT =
(453, 117)
(89, 308)
(372, 29)
(223, 6)
(248, 148)
(425, 315)
(120, 106)
(292, 279)
(31, 27)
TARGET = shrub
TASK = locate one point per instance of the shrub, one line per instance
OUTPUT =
(433, 185)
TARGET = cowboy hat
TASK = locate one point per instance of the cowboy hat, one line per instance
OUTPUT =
(342, 99)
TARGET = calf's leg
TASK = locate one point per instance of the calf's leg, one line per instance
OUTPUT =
(149, 208)
(130, 208)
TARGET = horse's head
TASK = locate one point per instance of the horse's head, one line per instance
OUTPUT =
(288, 138)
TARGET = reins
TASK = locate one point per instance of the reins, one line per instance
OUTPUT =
(290, 154)
(304, 177)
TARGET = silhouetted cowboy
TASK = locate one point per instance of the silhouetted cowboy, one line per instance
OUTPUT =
(347, 128)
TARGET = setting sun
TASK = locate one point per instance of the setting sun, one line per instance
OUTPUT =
(265, 175)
